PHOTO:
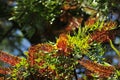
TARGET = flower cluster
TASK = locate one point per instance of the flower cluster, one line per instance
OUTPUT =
(53, 59)
(57, 61)
(63, 45)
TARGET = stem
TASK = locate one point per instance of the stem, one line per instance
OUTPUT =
(113, 47)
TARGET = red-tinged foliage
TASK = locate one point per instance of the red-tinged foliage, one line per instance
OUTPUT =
(71, 22)
(10, 59)
(96, 68)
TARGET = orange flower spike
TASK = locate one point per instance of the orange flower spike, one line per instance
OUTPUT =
(32, 50)
(5, 71)
(10, 59)
(102, 36)
(109, 25)
(62, 42)
(90, 21)
(63, 46)
(102, 71)
(46, 47)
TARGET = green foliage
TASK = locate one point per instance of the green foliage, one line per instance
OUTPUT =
(103, 6)
(117, 75)
(39, 14)
(54, 65)
(40, 9)
(98, 25)
(80, 40)
(35, 15)
(96, 52)
(21, 70)
(58, 60)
